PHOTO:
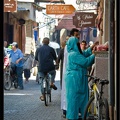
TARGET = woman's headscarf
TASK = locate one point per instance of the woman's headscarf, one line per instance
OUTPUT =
(73, 45)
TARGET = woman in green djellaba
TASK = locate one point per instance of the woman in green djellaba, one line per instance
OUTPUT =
(75, 80)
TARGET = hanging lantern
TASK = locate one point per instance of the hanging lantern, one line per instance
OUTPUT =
(21, 21)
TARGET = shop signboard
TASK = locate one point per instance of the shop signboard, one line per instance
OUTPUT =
(26, 1)
(51, 1)
(60, 9)
(10, 5)
(84, 19)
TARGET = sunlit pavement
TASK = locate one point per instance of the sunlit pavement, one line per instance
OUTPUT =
(26, 105)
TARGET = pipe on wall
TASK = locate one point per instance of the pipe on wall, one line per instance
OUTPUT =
(111, 57)
(118, 61)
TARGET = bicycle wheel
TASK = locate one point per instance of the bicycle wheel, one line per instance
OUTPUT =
(45, 92)
(90, 110)
(49, 91)
(50, 95)
(45, 97)
(103, 110)
(7, 82)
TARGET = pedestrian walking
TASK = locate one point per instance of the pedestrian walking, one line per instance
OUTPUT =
(27, 75)
(76, 83)
(27, 66)
(63, 98)
(60, 60)
(16, 56)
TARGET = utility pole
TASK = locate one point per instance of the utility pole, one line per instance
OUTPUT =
(118, 59)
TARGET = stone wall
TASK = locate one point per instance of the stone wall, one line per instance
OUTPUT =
(101, 69)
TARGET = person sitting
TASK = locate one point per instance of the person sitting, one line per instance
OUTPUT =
(45, 55)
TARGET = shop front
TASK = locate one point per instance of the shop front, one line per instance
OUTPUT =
(106, 62)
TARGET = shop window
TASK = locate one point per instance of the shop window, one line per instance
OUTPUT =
(10, 34)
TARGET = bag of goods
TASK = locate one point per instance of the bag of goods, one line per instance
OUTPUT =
(103, 47)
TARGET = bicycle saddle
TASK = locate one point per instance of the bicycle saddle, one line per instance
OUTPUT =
(103, 82)
(45, 74)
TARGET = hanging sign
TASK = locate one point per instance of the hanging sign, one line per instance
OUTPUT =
(84, 19)
(60, 9)
(10, 5)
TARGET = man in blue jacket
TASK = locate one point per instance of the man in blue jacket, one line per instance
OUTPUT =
(16, 56)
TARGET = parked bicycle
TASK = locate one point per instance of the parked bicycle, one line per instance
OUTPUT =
(97, 107)
(45, 82)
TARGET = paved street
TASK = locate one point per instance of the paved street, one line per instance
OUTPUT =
(26, 105)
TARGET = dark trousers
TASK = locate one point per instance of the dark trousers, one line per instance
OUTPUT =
(19, 71)
(26, 73)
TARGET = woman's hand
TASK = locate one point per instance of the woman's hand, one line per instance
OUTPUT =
(95, 44)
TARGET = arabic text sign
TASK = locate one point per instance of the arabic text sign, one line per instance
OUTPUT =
(83, 19)
(26, 1)
(10, 6)
(59, 9)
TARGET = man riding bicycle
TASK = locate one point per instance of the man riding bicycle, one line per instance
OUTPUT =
(45, 55)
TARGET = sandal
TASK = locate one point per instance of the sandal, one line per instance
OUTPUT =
(53, 86)
(41, 98)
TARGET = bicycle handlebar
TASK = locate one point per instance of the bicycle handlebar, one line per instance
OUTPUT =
(95, 79)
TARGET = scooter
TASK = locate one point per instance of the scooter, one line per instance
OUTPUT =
(10, 78)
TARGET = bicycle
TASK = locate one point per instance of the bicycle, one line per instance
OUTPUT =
(46, 88)
(97, 106)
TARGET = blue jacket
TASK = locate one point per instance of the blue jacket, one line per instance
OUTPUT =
(15, 55)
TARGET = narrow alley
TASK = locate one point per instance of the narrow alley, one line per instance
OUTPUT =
(26, 105)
